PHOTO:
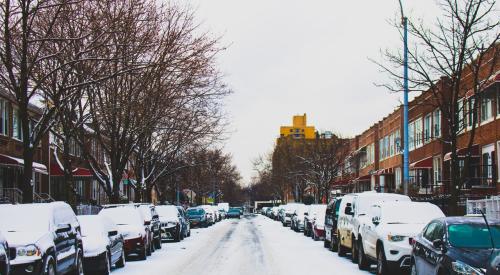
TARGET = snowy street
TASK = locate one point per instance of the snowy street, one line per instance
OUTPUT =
(252, 245)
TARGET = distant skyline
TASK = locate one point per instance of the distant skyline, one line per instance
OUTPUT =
(289, 57)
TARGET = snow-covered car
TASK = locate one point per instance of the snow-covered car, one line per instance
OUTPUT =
(210, 213)
(197, 217)
(171, 228)
(150, 215)
(298, 218)
(224, 208)
(263, 210)
(361, 205)
(344, 225)
(318, 225)
(134, 229)
(310, 215)
(217, 215)
(102, 244)
(186, 227)
(331, 221)
(289, 209)
(4, 256)
(233, 213)
(43, 238)
(386, 239)
(274, 213)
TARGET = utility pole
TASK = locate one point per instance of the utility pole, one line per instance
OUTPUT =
(406, 165)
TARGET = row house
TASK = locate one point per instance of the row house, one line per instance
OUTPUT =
(429, 155)
(48, 177)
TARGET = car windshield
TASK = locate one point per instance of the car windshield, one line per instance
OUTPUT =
(122, 215)
(473, 235)
(24, 218)
(195, 212)
(411, 214)
(91, 226)
(337, 207)
(167, 211)
(234, 210)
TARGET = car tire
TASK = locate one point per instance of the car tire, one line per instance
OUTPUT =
(333, 245)
(326, 244)
(107, 266)
(341, 250)
(354, 251)
(363, 263)
(158, 243)
(121, 261)
(78, 269)
(382, 268)
(189, 232)
(144, 253)
(49, 268)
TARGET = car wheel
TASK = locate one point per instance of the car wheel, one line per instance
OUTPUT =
(121, 261)
(333, 245)
(326, 244)
(144, 253)
(107, 265)
(354, 251)
(413, 268)
(49, 268)
(78, 270)
(158, 243)
(381, 262)
(189, 232)
(363, 263)
(341, 249)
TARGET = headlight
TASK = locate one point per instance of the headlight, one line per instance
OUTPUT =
(28, 251)
(395, 238)
(465, 269)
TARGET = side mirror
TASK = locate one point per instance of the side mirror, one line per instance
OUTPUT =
(306, 214)
(147, 222)
(156, 217)
(112, 233)
(438, 244)
(376, 220)
(62, 228)
(348, 211)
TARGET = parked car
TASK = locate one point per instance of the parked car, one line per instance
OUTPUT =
(274, 213)
(42, 237)
(361, 205)
(263, 210)
(102, 244)
(310, 215)
(281, 213)
(150, 215)
(197, 217)
(135, 231)
(318, 225)
(269, 212)
(387, 239)
(211, 218)
(171, 227)
(298, 218)
(288, 213)
(4, 256)
(331, 219)
(233, 213)
(186, 227)
(494, 263)
(455, 245)
(344, 225)
(224, 206)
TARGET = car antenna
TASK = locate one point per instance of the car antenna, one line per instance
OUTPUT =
(489, 229)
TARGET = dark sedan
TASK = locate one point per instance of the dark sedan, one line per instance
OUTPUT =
(233, 212)
(197, 217)
(455, 245)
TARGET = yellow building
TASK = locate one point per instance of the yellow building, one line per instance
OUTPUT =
(299, 129)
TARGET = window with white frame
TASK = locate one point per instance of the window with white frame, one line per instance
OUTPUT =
(397, 142)
(391, 144)
(4, 117)
(411, 135)
(397, 175)
(487, 108)
(17, 131)
(418, 133)
(436, 123)
(427, 128)
(438, 170)
(461, 118)
(472, 112)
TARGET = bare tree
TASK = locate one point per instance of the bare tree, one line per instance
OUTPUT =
(448, 59)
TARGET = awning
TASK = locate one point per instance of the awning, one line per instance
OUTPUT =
(386, 171)
(422, 164)
(474, 152)
(495, 78)
(364, 178)
(19, 163)
(56, 171)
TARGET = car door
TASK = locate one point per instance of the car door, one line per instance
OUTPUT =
(434, 254)
(115, 241)
(423, 248)
(369, 232)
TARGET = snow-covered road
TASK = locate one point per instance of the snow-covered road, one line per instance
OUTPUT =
(252, 245)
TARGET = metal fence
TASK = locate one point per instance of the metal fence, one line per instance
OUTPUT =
(88, 209)
(489, 206)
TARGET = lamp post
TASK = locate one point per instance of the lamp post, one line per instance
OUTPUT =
(406, 166)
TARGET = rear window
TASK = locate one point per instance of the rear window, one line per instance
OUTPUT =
(473, 235)
(123, 215)
(25, 218)
(195, 211)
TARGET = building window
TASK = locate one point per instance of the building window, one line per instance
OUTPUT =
(436, 123)
(411, 135)
(461, 118)
(486, 108)
(438, 170)
(4, 118)
(472, 112)
(397, 142)
(397, 175)
(427, 128)
(17, 130)
(418, 133)
(488, 164)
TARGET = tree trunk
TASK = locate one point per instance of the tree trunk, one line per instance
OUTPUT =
(26, 184)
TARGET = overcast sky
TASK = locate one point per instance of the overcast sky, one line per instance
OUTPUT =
(289, 57)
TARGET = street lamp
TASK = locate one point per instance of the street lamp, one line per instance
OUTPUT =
(406, 166)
